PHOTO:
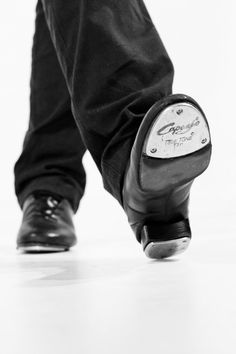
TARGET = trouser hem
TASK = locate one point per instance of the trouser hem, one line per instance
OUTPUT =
(51, 185)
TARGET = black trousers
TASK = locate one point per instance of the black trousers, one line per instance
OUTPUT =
(97, 67)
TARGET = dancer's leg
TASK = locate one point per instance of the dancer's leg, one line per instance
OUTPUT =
(115, 67)
(51, 159)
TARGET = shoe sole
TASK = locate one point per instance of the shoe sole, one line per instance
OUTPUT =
(166, 249)
(180, 129)
(41, 248)
(176, 149)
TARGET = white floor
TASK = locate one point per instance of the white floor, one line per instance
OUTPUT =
(105, 296)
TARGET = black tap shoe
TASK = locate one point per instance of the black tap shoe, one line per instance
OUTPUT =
(47, 224)
(172, 148)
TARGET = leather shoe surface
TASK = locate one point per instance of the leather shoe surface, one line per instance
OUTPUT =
(172, 147)
(47, 224)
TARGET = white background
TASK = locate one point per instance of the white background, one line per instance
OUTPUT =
(105, 296)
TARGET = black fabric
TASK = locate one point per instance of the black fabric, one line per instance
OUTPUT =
(97, 67)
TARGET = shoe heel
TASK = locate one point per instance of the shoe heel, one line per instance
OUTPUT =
(166, 240)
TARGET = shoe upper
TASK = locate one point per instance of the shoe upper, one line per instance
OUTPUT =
(47, 219)
(149, 196)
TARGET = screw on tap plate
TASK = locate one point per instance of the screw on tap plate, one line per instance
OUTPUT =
(180, 111)
(153, 150)
(204, 141)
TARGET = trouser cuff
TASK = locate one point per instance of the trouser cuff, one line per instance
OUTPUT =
(54, 186)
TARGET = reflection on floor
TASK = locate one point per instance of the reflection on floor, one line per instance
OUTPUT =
(107, 297)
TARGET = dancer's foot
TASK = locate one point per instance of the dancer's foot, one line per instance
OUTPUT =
(47, 224)
(172, 147)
